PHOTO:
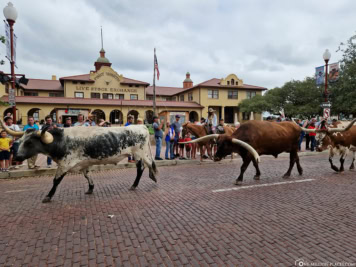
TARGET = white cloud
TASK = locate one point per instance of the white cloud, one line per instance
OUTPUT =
(265, 43)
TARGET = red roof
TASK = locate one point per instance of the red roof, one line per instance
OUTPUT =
(132, 81)
(86, 78)
(39, 84)
(214, 82)
(100, 102)
(82, 78)
(164, 91)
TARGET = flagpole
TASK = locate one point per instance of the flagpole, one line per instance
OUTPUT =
(154, 84)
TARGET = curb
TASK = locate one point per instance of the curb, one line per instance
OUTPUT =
(17, 174)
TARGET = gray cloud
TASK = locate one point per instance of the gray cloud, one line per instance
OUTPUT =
(265, 43)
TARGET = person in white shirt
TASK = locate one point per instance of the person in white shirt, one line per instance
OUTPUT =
(15, 145)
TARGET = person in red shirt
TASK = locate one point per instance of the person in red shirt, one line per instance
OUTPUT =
(181, 147)
(188, 147)
(312, 136)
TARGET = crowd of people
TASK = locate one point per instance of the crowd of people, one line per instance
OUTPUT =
(170, 133)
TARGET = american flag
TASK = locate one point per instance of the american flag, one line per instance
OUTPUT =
(156, 66)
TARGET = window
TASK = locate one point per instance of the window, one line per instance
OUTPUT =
(190, 97)
(119, 96)
(181, 98)
(232, 82)
(31, 94)
(95, 95)
(213, 94)
(133, 97)
(108, 96)
(136, 85)
(232, 94)
(74, 82)
(149, 97)
(82, 82)
(237, 83)
(228, 82)
(56, 95)
(130, 85)
(78, 94)
(251, 94)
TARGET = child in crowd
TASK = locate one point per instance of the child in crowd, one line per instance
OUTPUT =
(5, 145)
(181, 147)
(188, 147)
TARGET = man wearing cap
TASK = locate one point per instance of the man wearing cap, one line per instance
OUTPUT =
(157, 127)
(211, 121)
(177, 129)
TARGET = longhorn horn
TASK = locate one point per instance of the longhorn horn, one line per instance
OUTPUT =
(46, 137)
(248, 147)
(305, 129)
(11, 132)
(202, 139)
(336, 130)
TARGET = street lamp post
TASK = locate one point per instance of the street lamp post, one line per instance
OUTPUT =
(326, 57)
(10, 14)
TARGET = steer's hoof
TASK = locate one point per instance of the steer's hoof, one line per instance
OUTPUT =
(238, 183)
(256, 177)
(89, 192)
(132, 188)
(46, 200)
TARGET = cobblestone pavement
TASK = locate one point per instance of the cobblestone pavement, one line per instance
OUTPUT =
(182, 220)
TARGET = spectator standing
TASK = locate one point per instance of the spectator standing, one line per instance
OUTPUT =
(5, 145)
(177, 129)
(49, 125)
(188, 147)
(211, 121)
(81, 121)
(67, 122)
(130, 120)
(169, 133)
(15, 141)
(312, 136)
(139, 121)
(157, 127)
(91, 121)
(31, 162)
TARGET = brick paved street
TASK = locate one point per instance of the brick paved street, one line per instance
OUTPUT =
(181, 221)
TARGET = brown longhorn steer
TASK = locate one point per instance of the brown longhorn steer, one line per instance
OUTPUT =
(338, 141)
(267, 138)
(200, 131)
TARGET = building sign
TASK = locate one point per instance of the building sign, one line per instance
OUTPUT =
(326, 113)
(12, 97)
(105, 89)
(115, 76)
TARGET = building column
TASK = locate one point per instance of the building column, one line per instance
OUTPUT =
(223, 113)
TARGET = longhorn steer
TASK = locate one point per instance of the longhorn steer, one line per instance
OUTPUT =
(78, 148)
(338, 141)
(267, 138)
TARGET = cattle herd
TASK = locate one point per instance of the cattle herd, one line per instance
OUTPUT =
(78, 148)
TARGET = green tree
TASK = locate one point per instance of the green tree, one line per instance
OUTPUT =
(343, 92)
(296, 98)
(2, 39)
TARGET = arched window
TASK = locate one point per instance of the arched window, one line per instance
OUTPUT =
(232, 82)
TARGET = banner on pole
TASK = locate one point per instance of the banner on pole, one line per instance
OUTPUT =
(319, 75)
(8, 43)
(334, 72)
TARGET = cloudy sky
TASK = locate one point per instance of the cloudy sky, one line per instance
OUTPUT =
(266, 43)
